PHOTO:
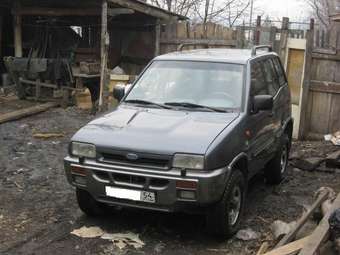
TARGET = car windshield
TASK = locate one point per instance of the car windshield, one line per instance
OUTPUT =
(190, 84)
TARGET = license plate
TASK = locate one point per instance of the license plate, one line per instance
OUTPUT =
(135, 195)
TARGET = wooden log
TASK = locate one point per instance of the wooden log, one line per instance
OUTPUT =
(321, 233)
(290, 236)
(290, 249)
(26, 112)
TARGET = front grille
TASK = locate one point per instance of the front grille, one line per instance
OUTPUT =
(143, 160)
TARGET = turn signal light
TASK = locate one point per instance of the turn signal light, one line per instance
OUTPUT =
(186, 185)
(78, 170)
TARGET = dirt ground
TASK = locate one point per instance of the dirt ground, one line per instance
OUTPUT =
(38, 209)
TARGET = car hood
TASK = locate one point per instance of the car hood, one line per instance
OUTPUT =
(155, 130)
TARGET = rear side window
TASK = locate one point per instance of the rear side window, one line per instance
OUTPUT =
(280, 72)
(258, 82)
(271, 77)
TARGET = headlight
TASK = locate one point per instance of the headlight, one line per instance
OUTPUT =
(188, 161)
(83, 150)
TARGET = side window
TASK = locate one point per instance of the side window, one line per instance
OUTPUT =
(258, 82)
(271, 77)
(279, 70)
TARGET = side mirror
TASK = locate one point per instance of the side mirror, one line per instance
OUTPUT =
(263, 103)
(119, 92)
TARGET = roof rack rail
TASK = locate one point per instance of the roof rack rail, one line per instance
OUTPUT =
(181, 46)
(259, 47)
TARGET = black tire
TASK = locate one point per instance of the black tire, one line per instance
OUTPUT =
(89, 205)
(219, 220)
(276, 169)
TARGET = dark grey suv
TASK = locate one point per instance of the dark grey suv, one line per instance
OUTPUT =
(189, 134)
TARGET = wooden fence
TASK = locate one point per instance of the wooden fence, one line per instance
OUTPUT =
(175, 34)
(323, 83)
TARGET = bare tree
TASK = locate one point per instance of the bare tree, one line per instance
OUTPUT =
(182, 7)
(228, 12)
(321, 11)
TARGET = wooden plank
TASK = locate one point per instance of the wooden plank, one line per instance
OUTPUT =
(291, 235)
(326, 56)
(334, 121)
(325, 87)
(321, 233)
(26, 112)
(290, 249)
(304, 102)
(320, 117)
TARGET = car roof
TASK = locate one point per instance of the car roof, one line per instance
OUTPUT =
(234, 56)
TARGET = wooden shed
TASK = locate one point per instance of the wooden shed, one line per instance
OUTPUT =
(124, 33)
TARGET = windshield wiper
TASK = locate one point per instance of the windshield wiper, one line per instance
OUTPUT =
(145, 102)
(192, 105)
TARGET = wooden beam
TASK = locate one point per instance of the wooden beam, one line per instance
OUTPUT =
(26, 112)
(28, 11)
(144, 8)
(290, 249)
(321, 233)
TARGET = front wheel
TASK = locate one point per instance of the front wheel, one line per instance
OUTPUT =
(89, 205)
(276, 169)
(224, 218)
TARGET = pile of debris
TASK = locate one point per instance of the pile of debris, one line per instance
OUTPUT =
(328, 164)
(325, 235)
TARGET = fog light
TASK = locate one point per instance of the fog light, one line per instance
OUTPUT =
(81, 180)
(78, 170)
(186, 194)
(186, 185)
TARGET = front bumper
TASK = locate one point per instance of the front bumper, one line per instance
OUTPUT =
(209, 185)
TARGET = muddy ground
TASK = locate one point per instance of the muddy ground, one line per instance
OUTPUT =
(38, 209)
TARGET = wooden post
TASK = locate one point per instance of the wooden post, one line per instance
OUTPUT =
(104, 51)
(240, 37)
(258, 30)
(1, 22)
(17, 31)
(284, 39)
(304, 115)
(157, 37)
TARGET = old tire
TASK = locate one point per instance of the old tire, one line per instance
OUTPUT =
(276, 169)
(89, 205)
(223, 219)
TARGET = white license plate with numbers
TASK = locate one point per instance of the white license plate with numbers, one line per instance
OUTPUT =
(135, 195)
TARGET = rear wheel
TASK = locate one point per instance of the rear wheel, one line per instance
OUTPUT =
(224, 218)
(89, 205)
(276, 169)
